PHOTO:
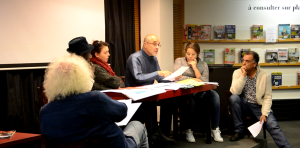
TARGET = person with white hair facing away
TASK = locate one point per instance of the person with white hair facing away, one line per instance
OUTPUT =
(75, 114)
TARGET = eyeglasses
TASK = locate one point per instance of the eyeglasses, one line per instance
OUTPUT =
(155, 45)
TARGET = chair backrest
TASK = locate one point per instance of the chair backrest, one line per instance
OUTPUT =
(42, 97)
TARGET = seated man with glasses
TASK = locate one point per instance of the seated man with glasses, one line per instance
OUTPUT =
(142, 68)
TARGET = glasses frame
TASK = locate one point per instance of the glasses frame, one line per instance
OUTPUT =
(155, 45)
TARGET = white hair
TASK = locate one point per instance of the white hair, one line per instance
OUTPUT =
(68, 75)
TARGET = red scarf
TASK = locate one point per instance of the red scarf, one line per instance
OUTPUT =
(103, 64)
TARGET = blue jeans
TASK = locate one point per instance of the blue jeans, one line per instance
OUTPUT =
(214, 101)
(138, 131)
(240, 107)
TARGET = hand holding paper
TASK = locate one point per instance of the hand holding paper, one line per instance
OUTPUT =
(177, 73)
(256, 128)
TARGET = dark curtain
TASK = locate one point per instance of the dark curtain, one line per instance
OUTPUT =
(119, 32)
(19, 103)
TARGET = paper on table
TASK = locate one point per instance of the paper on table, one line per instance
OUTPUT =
(137, 94)
(177, 73)
(131, 109)
(169, 86)
(255, 128)
(190, 82)
(214, 83)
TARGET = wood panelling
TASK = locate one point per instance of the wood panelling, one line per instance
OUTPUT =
(178, 21)
(137, 27)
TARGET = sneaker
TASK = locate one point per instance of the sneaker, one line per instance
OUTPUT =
(216, 134)
(189, 136)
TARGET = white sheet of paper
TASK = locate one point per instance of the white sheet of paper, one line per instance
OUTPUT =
(271, 34)
(169, 86)
(131, 109)
(214, 83)
(255, 128)
(137, 94)
(177, 73)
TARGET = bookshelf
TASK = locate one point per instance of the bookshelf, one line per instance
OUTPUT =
(271, 64)
(242, 41)
(286, 87)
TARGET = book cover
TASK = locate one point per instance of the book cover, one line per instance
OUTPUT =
(229, 31)
(276, 78)
(282, 55)
(284, 31)
(295, 31)
(185, 32)
(243, 51)
(209, 56)
(298, 73)
(189, 31)
(271, 56)
(293, 54)
(229, 56)
(219, 32)
(257, 32)
(194, 32)
(205, 32)
(7, 134)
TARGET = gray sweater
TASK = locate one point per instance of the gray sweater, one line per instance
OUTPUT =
(189, 73)
(141, 69)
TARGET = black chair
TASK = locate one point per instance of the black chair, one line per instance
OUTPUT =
(248, 120)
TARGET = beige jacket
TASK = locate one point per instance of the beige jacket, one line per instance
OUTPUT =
(263, 88)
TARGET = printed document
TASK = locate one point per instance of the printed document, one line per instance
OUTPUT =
(131, 109)
(177, 73)
(255, 128)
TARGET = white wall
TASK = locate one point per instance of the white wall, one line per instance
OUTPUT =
(34, 31)
(157, 18)
(236, 12)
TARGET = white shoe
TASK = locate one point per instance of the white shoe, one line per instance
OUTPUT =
(216, 134)
(189, 136)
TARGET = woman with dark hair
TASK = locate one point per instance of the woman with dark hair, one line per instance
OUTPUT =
(198, 70)
(105, 77)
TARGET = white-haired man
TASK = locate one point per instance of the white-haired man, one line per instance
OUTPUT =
(75, 114)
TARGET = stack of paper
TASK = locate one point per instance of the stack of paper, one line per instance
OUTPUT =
(190, 82)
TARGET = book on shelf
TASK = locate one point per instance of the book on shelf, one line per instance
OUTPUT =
(198, 32)
(189, 32)
(283, 55)
(271, 55)
(257, 32)
(219, 32)
(243, 51)
(298, 74)
(209, 56)
(229, 56)
(295, 31)
(284, 31)
(185, 32)
(276, 78)
(205, 32)
(293, 55)
(195, 32)
(229, 31)
(7, 134)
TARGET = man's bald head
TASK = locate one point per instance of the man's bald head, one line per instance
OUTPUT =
(151, 44)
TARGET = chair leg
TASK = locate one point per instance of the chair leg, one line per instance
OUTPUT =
(264, 130)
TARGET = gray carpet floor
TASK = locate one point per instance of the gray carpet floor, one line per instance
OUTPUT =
(291, 130)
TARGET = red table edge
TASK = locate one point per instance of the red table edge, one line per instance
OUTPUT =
(167, 94)
(19, 138)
